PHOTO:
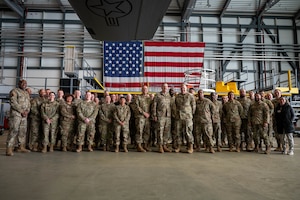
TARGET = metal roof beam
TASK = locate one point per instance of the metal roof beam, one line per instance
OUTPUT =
(61, 6)
(224, 8)
(15, 7)
(269, 4)
(187, 9)
(297, 15)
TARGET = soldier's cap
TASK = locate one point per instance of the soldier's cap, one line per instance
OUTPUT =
(122, 97)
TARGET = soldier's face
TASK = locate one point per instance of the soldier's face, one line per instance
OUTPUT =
(200, 94)
(88, 96)
(282, 101)
(23, 84)
(165, 88)
(257, 97)
(183, 89)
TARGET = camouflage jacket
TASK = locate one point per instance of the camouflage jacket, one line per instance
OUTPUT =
(122, 114)
(185, 106)
(162, 105)
(19, 102)
(106, 112)
(232, 110)
(143, 104)
(205, 109)
(88, 110)
(50, 110)
(245, 102)
(259, 113)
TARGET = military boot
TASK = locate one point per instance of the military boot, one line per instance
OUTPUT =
(90, 149)
(107, 147)
(51, 148)
(166, 148)
(64, 148)
(219, 149)
(117, 149)
(139, 148)
(190, 148)
(211, 150)
(238, 148)
(147, 147)
(79, 148)
(44, 150)
(161, 149)
(125, 148)
(177, 149)
(268, 149)
(256, 149)
(9, 151)
(104, 147)
(35, 147)
(231, 148)
(22, 149)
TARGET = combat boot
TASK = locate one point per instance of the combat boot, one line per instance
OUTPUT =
(9, 151)
(44, 150)
(64, 149)
(35, 147)
(90, 149)
(125, 148)
(161, 149)
(104, 147)
(177, 149)
(190, 148)
(22, 149)
(117, 149)
(107, 147)
(231, 148)
(139, 148)
(147, 147)
(211, 150)
(268, 149)
(79, 148)
(238, 148)
(219, 149)
(166, 148)
(256, 149)
(51, 149)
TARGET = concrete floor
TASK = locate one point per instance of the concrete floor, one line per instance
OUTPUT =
(107, 175)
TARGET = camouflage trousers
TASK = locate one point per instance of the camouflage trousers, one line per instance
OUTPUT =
(17, 130)
(89, 129)
(204, 130)
(183, 129)
(233, 133)
(67, 131)
(142, 130)
(217, 133)
(121, 130)
(260, 132)
(35, 127)
(49, 129)
(106, 131)
(246, 132)
(163, 130)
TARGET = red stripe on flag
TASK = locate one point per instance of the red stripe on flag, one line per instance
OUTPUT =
(164, 74)
(175, 44)
(174, 64)
(174, 54)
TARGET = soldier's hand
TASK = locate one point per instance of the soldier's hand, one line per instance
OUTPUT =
(146, 115)
(24, 114)
(87, 120)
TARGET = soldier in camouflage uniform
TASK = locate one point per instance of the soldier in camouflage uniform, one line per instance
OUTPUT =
(185, 108)
(105, 117)
(246, 135)
(270, 119)
(162, 115)
(258, 120)
(233, 110)
(87, 111)
(217, 120)
(50, 115)
(122, 116)
(35, 119)
(142, 120)
(67, 117)
(203, 116)
(276, 102)
(19, 110)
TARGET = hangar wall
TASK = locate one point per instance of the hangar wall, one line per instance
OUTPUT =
(238, 48)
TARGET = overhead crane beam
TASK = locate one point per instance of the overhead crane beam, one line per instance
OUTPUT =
(225, 8)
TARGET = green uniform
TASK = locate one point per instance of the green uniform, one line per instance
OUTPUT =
(121, 114)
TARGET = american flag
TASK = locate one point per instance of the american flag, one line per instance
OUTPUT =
(130, 65)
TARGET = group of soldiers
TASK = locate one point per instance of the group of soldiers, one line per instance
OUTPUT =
(183, 118)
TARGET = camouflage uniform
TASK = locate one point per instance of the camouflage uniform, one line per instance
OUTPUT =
(50, 110)
(270, 120)
(86, 110)
(162, 112)
(106, 129)
(67, 117)
(216, 118)
(185, 108)
(19, 103)
(205, 110)
(143, 105)
(233, 110)
(258, 117)
(35, 120)
(122, 114)
(247, 137)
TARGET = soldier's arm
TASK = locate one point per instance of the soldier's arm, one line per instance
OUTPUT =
(154, 115)
(64, 112)
(94, 114)
(79, 113)
(128, 114)
(116, 115)
(43, 114)
(14, 104)
(193, 104)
